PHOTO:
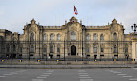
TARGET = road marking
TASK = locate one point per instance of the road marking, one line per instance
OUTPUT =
(86, 79)
(37, 79)
(127, 76)
(2, 76)
(110, 70)
(116, 72)
(41, 77)
(44, 75)
(21, 71)
(7, 74)
(121, 74)
(47, 73)
(83, 75)
(135, 68)
(133, 79)
(13, 73)
(50, 71)
(81, 71)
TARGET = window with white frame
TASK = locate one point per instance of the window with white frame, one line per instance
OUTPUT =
(73, 36)
(52, 36)
(58, 36)
(88, 50)
(88, 37)
(95, 48)
(45, 37)
(95, 37)
(51, 48)
(101, 37)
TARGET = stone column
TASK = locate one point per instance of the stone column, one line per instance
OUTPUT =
(48, 50)
(55, 51)
(134, 49)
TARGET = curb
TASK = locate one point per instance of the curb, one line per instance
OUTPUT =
(64, 67)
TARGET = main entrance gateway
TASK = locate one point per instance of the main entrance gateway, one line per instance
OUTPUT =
(73, 50)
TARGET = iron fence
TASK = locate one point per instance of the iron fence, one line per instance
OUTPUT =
(17, 50)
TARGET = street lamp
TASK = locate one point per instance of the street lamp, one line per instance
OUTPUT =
(134, 27)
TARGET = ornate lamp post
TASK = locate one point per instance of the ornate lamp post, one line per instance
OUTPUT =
(134, 27)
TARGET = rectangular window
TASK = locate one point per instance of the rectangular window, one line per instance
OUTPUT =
(95, 49)
(58, 50)
(51, 48)
(87, 50)
(102, 49)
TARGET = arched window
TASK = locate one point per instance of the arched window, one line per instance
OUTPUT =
(95, 37)
(32, 49)
(51, 36)
(88, 37)
(51, 48)
(45, 37)
(73, 36)
(58, 36)
(95, 48)
(101, 37)
(115, 36)
(115, 49)
(31, 37)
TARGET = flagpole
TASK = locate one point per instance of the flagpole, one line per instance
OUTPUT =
(75, 10)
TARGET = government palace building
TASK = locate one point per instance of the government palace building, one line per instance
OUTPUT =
(71, 40)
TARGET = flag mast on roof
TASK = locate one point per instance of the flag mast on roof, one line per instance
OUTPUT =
(75, 10)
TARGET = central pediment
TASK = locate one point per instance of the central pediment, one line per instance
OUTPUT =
(73, 19)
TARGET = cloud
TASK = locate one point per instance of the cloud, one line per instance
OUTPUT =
(127, 15)
(15, 13)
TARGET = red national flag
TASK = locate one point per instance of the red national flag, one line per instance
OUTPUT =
(75, 10)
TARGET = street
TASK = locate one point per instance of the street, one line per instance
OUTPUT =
(115, 74)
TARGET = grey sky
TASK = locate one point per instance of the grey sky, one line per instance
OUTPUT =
(15, 13)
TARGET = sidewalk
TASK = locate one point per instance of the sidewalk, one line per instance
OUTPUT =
(67, 66)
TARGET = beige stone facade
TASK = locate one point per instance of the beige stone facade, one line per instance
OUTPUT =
(72, 40)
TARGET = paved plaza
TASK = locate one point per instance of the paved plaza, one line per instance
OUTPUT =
(115, 74)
